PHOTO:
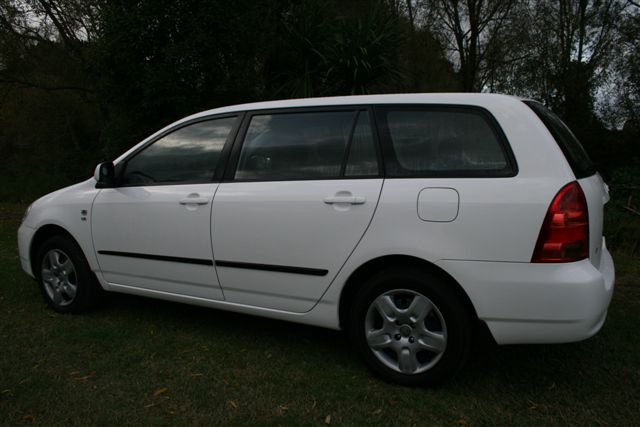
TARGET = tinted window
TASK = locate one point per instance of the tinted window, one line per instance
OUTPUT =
(295, 146)
(442, 142)
(576, 155)
(362, 159)
(188, 155)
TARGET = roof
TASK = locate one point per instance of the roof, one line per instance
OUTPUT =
(400, 98)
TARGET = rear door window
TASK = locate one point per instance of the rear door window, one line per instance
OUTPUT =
(441, 141)
(574, 152)
(307, 145)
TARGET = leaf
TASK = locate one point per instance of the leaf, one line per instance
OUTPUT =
(85, 377)
(160, 391)
(233, 404)
(327, 419)
(461, 422)
(377, 412)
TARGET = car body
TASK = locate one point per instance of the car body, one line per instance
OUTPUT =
(287, 209)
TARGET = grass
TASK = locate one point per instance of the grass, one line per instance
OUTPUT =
(139, 361)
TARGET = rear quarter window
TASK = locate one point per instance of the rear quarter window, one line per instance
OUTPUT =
(574, 152)
(425, 141)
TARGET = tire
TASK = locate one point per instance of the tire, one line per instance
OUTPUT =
(425, 334)
(64, 276)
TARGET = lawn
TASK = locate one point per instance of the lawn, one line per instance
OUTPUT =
(139, 361)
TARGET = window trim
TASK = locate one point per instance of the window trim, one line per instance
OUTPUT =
(509, 171)
(234, 157)
(120, 168)
(542, 114)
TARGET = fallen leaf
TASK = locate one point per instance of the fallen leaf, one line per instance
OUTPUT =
(28, 418)
(377, 412)
(197, 374)
(461, 422)
(149, 405)
(160, 391)
(327, 419)
(233, 404)
(85, 377)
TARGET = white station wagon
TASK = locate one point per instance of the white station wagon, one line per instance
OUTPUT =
(414, 222)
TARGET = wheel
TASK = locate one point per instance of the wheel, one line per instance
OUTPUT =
(65, 279)
(410, 327)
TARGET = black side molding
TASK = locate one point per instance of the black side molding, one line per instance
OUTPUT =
(271, 267)
(197, 261)
(231, 264)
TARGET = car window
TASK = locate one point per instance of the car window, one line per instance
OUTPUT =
(442, 142)
(362, 160)
(187, 155)
(289, 146)
(574, 152)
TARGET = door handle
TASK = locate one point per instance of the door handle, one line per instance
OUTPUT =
(353, 200)
(194, 200)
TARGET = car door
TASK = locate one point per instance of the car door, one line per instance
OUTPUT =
(299, 193)
(152, 231)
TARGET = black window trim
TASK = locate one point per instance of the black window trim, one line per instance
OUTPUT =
(120, 167)
(578, 171)
(509, 171)
(234, 157)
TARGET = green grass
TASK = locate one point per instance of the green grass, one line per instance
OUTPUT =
(139, 361)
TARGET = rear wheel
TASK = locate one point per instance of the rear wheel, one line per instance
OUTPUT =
(65, 279)
(410, 327)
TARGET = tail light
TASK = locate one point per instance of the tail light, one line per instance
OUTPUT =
(564, 236)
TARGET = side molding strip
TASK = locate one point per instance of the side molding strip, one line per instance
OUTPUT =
(271, 267)
(158, 257)
(230, 264)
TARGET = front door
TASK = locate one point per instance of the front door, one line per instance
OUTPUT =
(153, 230)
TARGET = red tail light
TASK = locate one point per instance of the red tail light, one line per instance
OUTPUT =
(564, 236)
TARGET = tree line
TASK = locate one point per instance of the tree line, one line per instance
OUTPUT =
(82, 80)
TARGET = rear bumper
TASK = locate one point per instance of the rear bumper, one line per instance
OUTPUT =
(524, 303)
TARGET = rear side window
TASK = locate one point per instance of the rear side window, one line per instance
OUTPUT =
(442, 141)
(575, 153)
(307, 145)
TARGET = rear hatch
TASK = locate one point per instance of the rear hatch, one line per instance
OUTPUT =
(595, 189)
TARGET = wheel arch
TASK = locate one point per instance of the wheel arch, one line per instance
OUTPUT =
(371, 267)
(43, 234)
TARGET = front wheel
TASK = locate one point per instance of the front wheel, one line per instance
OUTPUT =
(410, 327)
(65, 278)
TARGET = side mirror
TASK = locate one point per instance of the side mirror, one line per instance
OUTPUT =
(105, 175)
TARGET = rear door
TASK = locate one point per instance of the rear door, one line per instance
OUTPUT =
(153, 230)
(300, 192)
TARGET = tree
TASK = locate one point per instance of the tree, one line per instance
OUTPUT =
(470, 29)
(564, 56)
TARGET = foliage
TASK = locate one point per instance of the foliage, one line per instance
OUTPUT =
(82, 80)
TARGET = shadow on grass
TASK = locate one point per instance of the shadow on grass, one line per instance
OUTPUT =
(540, 367)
